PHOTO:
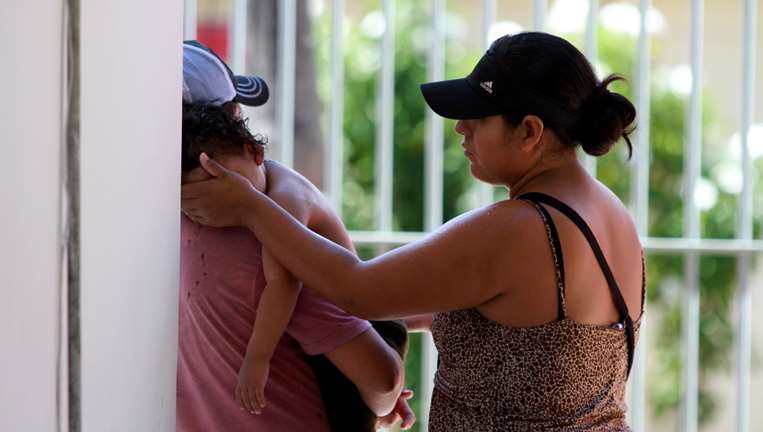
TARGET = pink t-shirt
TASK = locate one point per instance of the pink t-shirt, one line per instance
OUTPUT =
(220, 285)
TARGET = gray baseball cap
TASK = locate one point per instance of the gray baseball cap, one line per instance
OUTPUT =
(207, 79)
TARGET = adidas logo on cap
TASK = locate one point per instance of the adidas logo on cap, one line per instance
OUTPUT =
(488, 86)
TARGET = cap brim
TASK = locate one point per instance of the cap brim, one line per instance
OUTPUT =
(251, 90)
(456, 99)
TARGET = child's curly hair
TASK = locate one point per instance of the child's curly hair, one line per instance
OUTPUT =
(214, 130)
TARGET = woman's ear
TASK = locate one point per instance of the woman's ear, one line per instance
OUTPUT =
(532, 127)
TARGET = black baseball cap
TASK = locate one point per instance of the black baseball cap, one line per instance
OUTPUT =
(207, 79)
(488, 90)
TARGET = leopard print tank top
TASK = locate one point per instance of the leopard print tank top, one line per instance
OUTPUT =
(561, 376)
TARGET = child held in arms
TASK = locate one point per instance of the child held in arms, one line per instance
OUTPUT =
(244, 320)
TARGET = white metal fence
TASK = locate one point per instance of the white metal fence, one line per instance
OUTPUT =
(691, 245)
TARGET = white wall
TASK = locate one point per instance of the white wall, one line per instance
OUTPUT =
(30, 141)
(130, 138)
(131, 93)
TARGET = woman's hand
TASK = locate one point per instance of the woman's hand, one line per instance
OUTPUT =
(225, 200)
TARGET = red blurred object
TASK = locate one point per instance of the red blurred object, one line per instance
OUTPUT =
(215, 36)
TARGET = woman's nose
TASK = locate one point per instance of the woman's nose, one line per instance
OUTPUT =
(461, 127)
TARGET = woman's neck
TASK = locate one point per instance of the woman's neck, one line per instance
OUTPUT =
(547, 171)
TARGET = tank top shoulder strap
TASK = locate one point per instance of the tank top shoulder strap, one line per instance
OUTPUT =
(643, 284)
(617, 296)
(556, 252)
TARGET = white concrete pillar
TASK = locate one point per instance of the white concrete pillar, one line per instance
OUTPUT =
(131, 79)
(129, 206)
(30, 141)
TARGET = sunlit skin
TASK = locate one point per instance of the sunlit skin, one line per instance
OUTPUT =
(487, 146)
(496, 258)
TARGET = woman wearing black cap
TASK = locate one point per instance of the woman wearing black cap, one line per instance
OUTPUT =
(537, 299)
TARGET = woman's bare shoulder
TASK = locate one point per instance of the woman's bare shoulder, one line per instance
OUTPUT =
(506, 224)
(601, 209)
(618, 217)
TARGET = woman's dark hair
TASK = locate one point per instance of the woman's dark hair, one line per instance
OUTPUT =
(565, 93)
(213, 130)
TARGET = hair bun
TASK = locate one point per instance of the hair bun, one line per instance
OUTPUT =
(607, 116)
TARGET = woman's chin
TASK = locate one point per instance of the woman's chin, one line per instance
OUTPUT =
(476, 172)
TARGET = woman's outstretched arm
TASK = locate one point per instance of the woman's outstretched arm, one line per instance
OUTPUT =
(462, 265)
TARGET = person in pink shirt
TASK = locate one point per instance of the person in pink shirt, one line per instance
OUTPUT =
(228, 365)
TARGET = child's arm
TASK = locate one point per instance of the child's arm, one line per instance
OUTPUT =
(273, 314)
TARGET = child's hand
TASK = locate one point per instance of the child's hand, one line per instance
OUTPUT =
(250, 389)
(402, 412)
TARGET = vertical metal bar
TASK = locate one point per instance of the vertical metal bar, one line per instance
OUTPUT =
(591, 51)
(334, 164)
(745, 222)
(637, 385)
(486, 190)
(385, 125)
(745, 219)
(744, 336)
(692, 166)
(428, 368)
(640, 205)
(287, 27)
(434, 180)
(434, 151)
(693, 153)
(189, 19)
(690, 345)
(539, 15)
(237, 36)
(640, 182)
(488, 16)
(591, 41)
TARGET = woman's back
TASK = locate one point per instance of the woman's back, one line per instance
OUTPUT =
(542, 357)
(530, 296)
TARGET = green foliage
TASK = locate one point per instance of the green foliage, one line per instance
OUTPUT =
(361, 85)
